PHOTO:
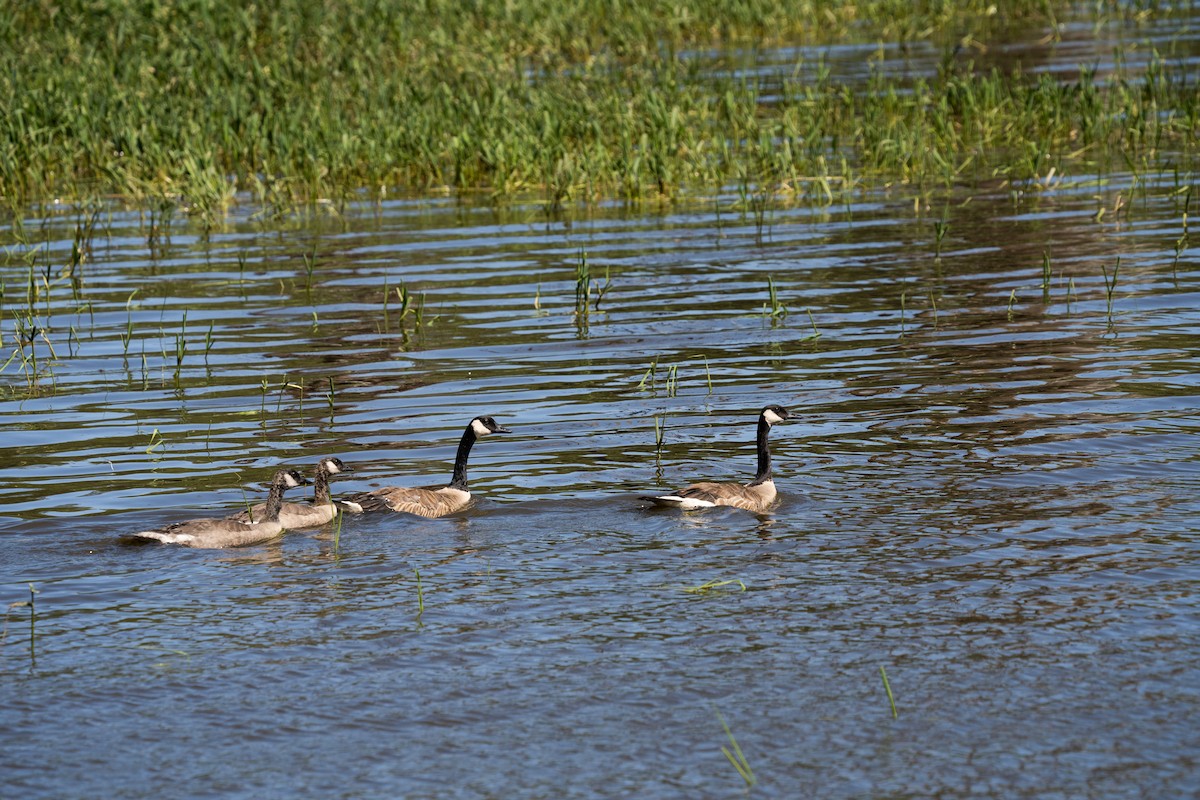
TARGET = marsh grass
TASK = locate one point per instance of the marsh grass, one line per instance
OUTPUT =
(184, 108)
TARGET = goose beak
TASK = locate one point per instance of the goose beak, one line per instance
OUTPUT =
(501, 429)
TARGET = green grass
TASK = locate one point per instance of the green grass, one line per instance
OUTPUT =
(735, 755)
(887, 687)
(194, 105)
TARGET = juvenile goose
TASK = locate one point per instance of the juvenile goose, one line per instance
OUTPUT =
(213, 533)
(293, 516)
(435, 501)
(754, 496)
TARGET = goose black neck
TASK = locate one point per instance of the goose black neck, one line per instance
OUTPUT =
(764, 455)
(321, 487)
(459, 479)
(274, 501)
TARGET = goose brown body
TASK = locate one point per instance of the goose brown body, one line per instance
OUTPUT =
(219, 533)
(295, 516)
(757, 496)
(434, 501)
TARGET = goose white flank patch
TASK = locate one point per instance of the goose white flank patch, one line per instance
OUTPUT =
(216, 533)
(434, 501)
(758, 495)
(294, 516)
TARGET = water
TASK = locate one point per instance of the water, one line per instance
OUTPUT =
(989, 490)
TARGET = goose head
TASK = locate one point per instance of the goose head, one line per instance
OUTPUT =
(483, 426)
(772, 414)
(333, 465)
(291, 478)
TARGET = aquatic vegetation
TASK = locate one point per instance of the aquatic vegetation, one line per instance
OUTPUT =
(709, 586)
(940, 228)
(816, 334)
(1110, 286)
(887, 687)
(735, 755)
(773, 309)
(420, 595)
(583, 288)
(31, 604)
(191, 108)
(647, 381)
(1045, 276)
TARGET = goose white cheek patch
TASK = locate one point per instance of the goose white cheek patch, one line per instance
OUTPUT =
(479, 428)
(771, 417)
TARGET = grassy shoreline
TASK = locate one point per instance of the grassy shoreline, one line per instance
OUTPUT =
(189, 104)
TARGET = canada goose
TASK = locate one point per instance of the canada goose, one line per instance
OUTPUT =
(435, 501)
(293, 516)
(213, 533)
(754, 496)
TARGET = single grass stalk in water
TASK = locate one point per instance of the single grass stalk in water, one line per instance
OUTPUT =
(707, 375)
(208, 342)
(32, 615)
(1012, 300)
(940, 228)
(887, 687)
(1110, 286)
(337, 531)
(155, 441)
(310, 263)
(420, 595)
(933, 304)
(735, 755)
(330, 398)
(602, 290)
(903, 299)
(648, 375)
(673, 381)
(1046, 276)
(660, 434)
(708, 586)
(816, 334)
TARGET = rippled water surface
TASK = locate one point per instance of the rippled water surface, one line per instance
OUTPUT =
(989, 490)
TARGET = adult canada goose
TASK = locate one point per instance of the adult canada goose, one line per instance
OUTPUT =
(212, 533)
(293, 516)
(435, 501)
(754, 496)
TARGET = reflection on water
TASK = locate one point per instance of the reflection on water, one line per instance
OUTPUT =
(989, 490)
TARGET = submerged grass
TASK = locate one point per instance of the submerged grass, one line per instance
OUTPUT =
(190, 106)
